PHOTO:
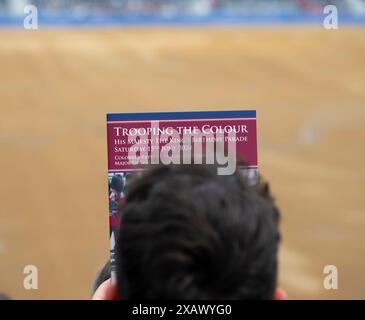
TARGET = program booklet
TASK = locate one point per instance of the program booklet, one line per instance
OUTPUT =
(138, 140)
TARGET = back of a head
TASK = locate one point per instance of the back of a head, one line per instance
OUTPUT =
(188, 233)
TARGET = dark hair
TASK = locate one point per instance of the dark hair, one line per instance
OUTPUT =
(117, 183)
(188, 233)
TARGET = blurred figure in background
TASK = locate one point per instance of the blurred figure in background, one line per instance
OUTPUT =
(115, 199)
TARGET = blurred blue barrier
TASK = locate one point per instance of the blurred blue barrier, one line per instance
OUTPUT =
(158, 20)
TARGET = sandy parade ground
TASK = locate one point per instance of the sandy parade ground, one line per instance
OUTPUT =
(307, 85)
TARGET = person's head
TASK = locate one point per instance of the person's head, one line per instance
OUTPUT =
(117, 183)
(188, 233)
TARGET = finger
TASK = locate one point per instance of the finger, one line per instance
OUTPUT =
(106, 291)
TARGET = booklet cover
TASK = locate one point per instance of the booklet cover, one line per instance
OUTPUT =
(136, 140)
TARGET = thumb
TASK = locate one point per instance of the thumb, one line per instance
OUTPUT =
(106, 291)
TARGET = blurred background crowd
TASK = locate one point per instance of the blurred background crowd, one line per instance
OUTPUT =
(171, 8)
